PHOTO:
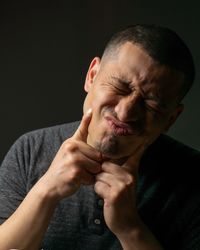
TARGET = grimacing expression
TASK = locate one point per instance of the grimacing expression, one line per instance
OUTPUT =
(133, 98)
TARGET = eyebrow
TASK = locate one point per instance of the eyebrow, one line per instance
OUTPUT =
(121, 79)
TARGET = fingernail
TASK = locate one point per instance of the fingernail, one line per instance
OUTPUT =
(89, 111)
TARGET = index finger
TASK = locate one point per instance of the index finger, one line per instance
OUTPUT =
(82, 131)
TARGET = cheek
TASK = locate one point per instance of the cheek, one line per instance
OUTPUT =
(155, 123)
(153, 131)
(97, 99)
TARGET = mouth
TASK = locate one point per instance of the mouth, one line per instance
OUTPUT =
(118, 128)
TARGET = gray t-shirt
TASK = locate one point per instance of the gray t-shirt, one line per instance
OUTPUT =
(168, 194)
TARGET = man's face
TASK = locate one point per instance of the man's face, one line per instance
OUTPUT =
(133, 99)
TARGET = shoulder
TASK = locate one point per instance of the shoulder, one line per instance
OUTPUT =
(49, 139)
(172, 161)
(40, 144)
(49, 135)
(62, 131)
(33, 152)
(166, 148)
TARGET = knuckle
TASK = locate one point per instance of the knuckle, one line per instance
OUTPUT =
(97, 186)
(121, 188)
(69, 146)
(130, 181)
(115, 195)
(74, 173)
(74, 160)
(78, 160)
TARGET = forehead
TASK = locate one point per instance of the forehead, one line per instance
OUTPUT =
(133, 65)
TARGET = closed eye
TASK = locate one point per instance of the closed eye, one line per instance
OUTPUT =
(121, 88)
(122, 91)
(155, 111)
(151, 109)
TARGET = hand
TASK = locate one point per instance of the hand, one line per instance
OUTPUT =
(75, 163)
(117, 186)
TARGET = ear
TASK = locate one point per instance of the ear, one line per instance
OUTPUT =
(178, 110)
(92, 72)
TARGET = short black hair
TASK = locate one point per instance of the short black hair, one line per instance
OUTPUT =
(162, 45)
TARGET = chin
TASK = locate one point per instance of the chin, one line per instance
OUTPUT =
(111, 147)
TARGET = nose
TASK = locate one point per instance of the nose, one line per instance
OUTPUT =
(128, 108)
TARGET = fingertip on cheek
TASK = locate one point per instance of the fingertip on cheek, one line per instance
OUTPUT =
(88, 112)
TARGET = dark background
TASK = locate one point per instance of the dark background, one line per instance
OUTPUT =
(46, 48)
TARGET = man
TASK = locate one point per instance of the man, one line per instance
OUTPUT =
(114, 181)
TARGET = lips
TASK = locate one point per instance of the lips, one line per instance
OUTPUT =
(118, 128)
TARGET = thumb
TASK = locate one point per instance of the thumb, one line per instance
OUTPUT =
(82, 131)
